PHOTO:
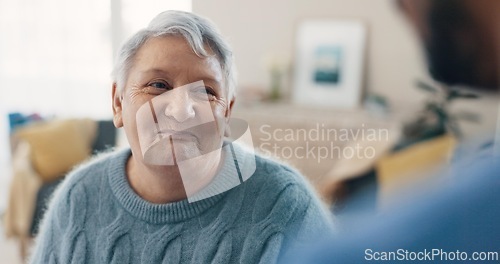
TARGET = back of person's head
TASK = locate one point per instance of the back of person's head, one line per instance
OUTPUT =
(461, 39)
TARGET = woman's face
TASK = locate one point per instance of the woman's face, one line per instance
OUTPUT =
(174, 105)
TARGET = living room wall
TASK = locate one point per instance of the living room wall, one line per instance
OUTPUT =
(258, 29)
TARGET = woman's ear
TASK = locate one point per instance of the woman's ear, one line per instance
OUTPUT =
(229, 109)
(117, 106)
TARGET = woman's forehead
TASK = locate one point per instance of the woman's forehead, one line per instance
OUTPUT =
(172, 55)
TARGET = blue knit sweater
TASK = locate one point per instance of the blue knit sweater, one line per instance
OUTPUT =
(96, 217)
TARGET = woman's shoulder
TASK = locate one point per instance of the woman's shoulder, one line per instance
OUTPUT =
(277, 185)
(88, 175)
(279, 194)
(271, 172)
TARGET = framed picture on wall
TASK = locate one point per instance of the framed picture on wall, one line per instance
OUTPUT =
(329, 62)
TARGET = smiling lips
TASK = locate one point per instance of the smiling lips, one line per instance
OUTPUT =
(178, 135)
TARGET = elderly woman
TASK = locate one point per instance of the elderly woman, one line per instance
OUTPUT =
(184, 192)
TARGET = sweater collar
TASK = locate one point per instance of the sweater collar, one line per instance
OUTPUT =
(145, 210)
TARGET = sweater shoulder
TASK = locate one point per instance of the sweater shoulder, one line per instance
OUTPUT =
(277, 189)
(91, 171)
(279, 176)
(81, 184)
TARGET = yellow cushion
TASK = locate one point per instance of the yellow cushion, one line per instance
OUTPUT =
(57, 146)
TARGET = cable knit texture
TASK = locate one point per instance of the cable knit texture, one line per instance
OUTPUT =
(96, 217)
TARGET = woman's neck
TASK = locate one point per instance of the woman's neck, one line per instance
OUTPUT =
(166, 184)
(159, 185)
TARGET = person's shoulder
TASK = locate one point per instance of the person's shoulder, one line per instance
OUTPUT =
(95, 168)
(78, 191)
(278, 175)
(279, 195)
(86, 178)
(282, 190)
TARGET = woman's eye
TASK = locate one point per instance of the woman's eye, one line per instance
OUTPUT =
(205, 93)
(159, 85)
(210, 91)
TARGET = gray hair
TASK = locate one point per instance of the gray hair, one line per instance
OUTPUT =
(198, 32)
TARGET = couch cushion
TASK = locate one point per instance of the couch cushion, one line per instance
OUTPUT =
(58, 145)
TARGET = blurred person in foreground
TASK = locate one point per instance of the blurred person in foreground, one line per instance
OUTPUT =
(183, 192)
(460, 219)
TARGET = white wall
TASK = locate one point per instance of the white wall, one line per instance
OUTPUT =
(257, 28)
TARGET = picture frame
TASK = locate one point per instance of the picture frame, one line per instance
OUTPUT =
(329, 63)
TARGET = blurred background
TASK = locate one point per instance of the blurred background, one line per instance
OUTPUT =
(320, 65)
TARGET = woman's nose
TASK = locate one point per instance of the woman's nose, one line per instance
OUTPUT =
(180, 107)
